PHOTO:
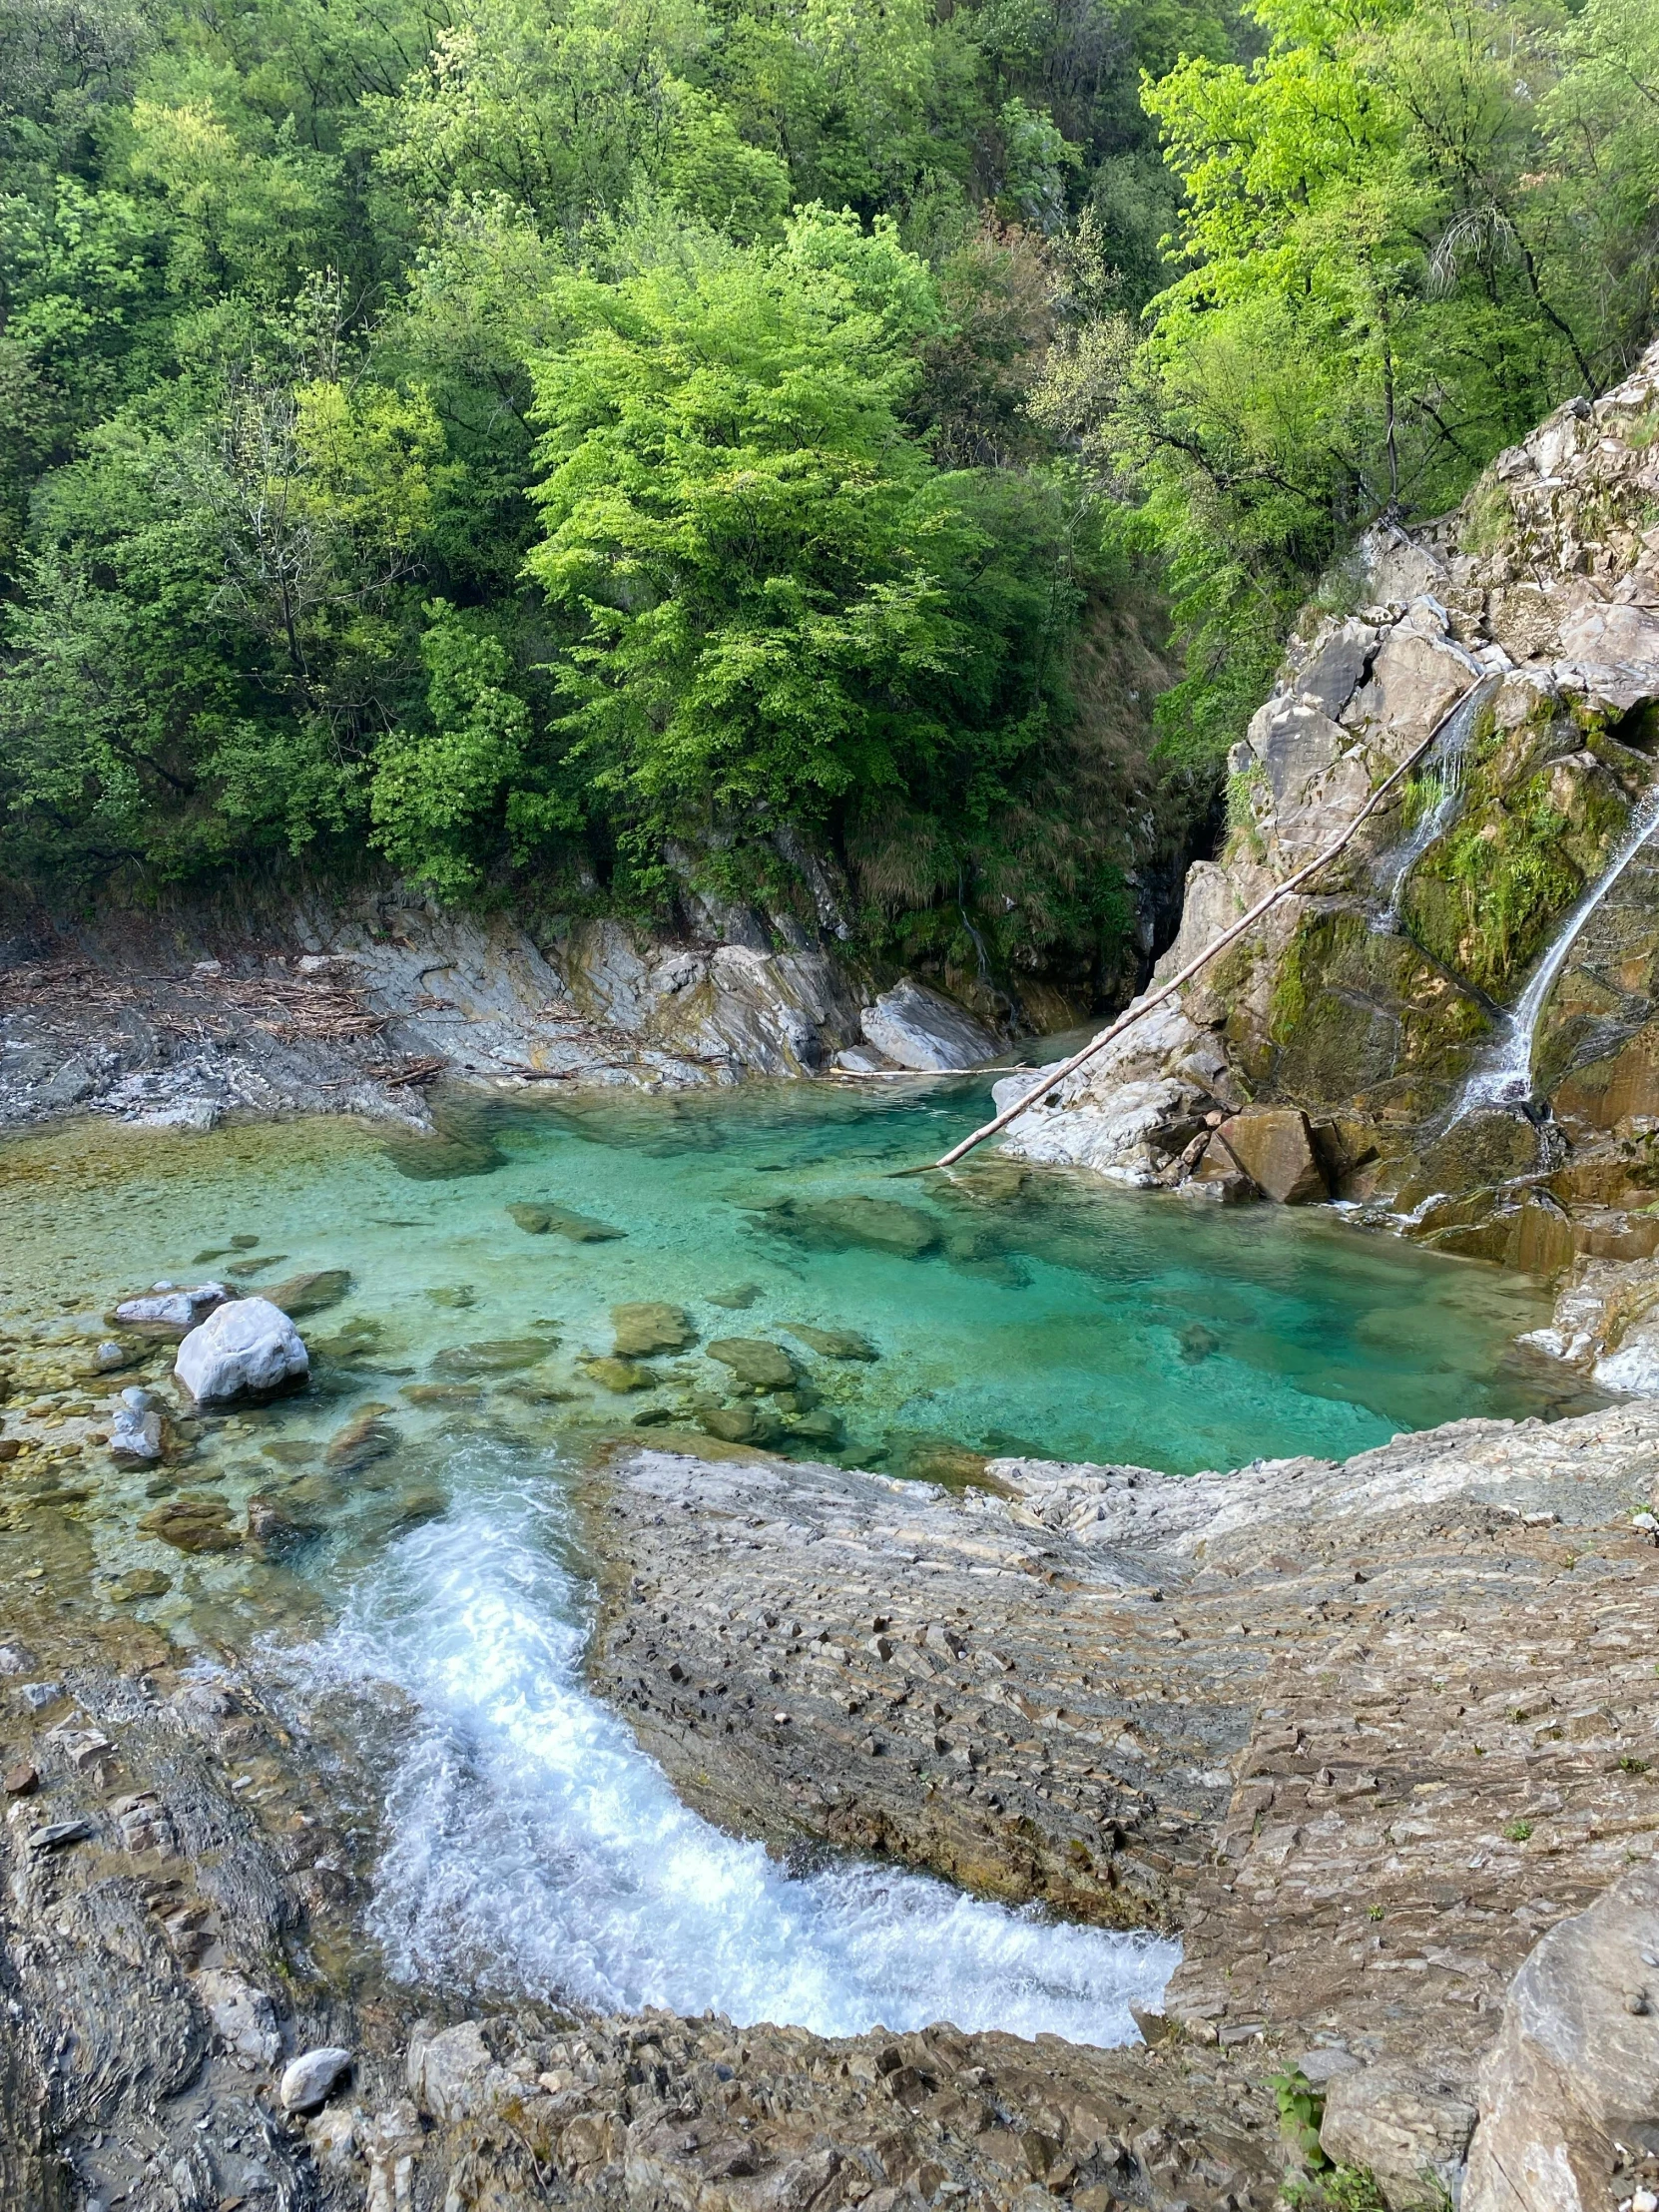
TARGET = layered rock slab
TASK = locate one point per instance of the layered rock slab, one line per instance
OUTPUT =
(1362, 1733)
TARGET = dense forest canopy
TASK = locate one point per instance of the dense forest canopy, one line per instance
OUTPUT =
(608, 444)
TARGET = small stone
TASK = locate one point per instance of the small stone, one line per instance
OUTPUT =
(311, 2078)
(738, 1299)
(20, 1780)
(38, 1694)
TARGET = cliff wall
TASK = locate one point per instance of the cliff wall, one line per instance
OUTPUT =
(1379, 1038)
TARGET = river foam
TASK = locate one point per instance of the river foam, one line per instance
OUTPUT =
(533, 1848)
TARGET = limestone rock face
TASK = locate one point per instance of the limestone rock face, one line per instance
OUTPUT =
(916, 1028)
(1274, 1146)
(1574, 2073)
(242, 1349)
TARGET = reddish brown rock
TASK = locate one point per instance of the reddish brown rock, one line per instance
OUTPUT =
(1275, 1147)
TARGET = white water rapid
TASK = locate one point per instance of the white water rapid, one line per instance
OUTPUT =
(532, 1847)
(1446, 765)
(1506, 1079)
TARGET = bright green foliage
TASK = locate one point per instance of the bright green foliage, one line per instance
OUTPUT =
(606, 445)
(1410, 229)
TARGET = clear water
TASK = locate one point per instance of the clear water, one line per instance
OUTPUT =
(529, 1844)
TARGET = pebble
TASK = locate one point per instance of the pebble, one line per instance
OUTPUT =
(20, 1780)
(312, 2077)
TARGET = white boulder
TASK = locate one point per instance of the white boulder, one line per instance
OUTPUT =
(921, 1028)
(244, 1348)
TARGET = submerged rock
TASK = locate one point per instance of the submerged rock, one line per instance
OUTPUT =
(835, 1343)
(246, 1349)
(916, 1028)
(740, 1425)
(537, 1221)
(191, 1524)
(495, 1356)
(878, 1224)
(312, 1293)
(652, 1327)
(737, 1299)
(755, 1364)
(619, 1376)
(364, 1438)
(140, 1582)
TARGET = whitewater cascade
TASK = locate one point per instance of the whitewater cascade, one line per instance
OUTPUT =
(532, 1847)
(1445, 767)
(1506, 1079)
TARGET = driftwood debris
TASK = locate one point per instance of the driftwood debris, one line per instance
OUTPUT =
(1166, 991)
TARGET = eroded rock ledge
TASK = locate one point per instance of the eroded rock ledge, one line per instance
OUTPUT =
(1374, 1737)
(1362, 1733)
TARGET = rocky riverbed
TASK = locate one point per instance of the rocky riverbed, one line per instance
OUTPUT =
(1373, 1738)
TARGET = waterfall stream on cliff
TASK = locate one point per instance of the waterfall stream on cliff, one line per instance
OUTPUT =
(1444, 771)
(1506, 1077)
(534, 1847)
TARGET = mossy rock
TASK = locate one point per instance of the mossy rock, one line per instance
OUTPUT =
(1476, 1153)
